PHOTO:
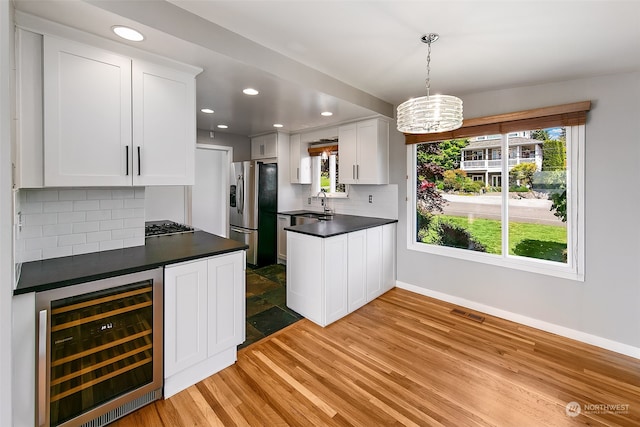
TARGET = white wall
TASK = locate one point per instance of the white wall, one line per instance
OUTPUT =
(241, 144)
(165, 202)
(605, 308)
(7, 132)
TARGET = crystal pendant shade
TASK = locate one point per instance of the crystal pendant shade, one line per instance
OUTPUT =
(430, 114)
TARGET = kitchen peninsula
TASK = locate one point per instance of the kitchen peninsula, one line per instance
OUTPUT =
(335, 267)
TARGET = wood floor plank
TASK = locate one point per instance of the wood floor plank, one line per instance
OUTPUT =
(404, 359)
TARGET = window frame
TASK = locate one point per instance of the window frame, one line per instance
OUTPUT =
(315, 181)
(573, 269)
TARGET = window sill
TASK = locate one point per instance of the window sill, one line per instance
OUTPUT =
(547, 268)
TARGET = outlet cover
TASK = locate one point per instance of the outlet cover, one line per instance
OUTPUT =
(370, 198)
(308, 200)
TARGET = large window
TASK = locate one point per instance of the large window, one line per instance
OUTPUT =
(522, 212)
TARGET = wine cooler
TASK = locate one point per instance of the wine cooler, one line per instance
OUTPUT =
(99, 349)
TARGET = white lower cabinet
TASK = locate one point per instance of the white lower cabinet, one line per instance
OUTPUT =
(357, 269)
(283, 221)
(204, 312)
(328, 278)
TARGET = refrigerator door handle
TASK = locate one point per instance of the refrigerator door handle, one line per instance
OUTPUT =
(237, 230)
(240, 187)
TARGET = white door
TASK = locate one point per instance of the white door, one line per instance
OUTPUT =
(210, 193)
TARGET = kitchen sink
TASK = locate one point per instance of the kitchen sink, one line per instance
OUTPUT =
(310, 217)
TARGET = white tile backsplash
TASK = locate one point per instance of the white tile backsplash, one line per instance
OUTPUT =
(72, 194)
(86, 248)
(59, 206)
(60, 222)
(384, 201)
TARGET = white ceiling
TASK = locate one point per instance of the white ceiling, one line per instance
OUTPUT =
(359, 58)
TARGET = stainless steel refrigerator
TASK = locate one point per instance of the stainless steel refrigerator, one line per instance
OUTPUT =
(253, 204)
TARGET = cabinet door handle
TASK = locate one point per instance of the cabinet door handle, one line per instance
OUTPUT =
(298, 174)
(353, 172)
(262, 149)
(139, 161)
(42, 367)
(357, 171)
(127, 149)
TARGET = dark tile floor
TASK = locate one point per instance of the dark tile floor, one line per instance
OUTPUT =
(267, 310)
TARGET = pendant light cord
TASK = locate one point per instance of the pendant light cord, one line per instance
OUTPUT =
(428, 82)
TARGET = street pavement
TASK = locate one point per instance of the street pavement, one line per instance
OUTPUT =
(534, 211)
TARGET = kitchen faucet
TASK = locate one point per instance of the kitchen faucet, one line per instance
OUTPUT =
(324, 202)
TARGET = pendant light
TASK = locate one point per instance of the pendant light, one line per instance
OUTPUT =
(431, 113)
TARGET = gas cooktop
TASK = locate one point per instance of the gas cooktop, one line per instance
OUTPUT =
(163, 228)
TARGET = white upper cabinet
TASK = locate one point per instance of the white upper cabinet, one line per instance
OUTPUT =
(164, 125)
(299, 161)
(363, 150)
(87, 115)
(108, 119)
(264, 146)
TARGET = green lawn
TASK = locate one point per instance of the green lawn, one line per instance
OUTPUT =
(525, 239)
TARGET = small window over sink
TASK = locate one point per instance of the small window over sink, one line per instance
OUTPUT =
(325, 172)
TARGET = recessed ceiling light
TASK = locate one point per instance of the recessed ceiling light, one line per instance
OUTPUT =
(277, 125)
(326, 113)
(223, 126)
(207, 110)
(128, 33)
(250, 91)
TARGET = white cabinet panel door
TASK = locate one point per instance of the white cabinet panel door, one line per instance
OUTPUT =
(283, 221)
(374, 263)
(264, 146)
(363, 148)
(356, 265)
(336, 277)
(305, 284)
(299, 161)
(185, 311)
(368, 154)
(226, 302)
(347, 152)
(389, 262)
(87, 110)
(163, 125)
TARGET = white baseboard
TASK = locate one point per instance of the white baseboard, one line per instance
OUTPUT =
(597, 341)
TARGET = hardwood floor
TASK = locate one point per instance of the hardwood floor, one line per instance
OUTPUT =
(404, 359)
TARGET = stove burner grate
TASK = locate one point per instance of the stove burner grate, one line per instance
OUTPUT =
(162, 228)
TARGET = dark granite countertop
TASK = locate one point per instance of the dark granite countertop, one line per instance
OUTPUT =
(37, 276)
(340, 224)
(298, 212)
